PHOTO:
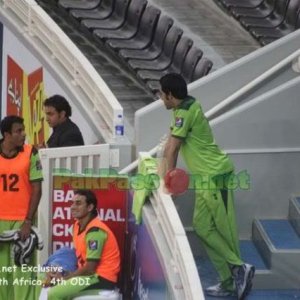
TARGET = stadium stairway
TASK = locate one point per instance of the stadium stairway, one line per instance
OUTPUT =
(210, 28)
(275, 252)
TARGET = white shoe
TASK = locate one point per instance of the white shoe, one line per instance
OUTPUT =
(218, 291)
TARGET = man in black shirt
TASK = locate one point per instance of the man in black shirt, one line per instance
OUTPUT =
(65, 133)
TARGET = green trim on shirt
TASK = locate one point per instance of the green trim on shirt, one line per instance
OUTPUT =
(95, 241)
(35, 173)
(186, 103)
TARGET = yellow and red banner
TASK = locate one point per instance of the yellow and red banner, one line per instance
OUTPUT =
(24, 98)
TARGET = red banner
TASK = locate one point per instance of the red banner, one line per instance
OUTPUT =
(14, 88)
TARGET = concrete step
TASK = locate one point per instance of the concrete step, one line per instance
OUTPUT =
(279, 245)
(294, 213)
(267, 284)
(251, 255)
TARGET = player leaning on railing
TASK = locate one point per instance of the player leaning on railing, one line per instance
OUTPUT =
(214, 216)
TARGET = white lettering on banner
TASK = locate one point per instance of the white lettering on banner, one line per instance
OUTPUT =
(15, 94)
(63, 213)
(64, 230)
(58, 196)
(61, 196)
(142, 291)
(58, 245)
(111, 215)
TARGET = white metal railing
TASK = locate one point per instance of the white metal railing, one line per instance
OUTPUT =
(166, 212)
(135, 163)
(296, 65)
(76, 160)
(177, 242)
(151, 152)
(39, 25)
(252, 84)
(182, 257)
(210, 115)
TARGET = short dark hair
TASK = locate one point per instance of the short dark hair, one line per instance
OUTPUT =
(175, 84)
(90, 198)
(60, 104)
(7, 123)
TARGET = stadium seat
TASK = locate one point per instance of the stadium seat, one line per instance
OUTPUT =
(190, 63)
(115, 21)
(153, 85)
(266, 35)
(102, 11)
(129, 28)
(202, 68)
(81, 4)
(153, 51)
(266, 40)
(261, 11)
(165, 58)
(273, 20)
(181, 51)
(144, 35)
(199, 69)
(241, 3)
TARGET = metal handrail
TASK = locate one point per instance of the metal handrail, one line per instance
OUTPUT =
(211, 114)
(135, 163)
(246, 88)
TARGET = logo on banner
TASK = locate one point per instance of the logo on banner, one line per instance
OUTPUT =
(25, 96)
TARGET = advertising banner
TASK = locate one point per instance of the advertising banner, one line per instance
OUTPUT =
(145, 278)
(26, 83)
(111, 194)
(25, 96)
(1, 57)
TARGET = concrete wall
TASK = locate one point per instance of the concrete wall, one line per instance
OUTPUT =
(152, 121)
(260, 131)
(262, 138)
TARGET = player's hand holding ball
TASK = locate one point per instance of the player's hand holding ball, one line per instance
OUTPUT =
(176, 181)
